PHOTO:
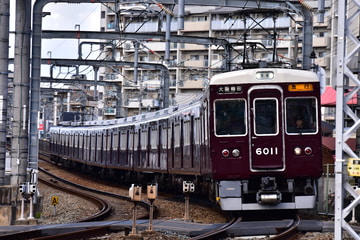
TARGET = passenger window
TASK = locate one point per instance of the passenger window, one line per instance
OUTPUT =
(265, 116)
(301, 115)
(230, 117)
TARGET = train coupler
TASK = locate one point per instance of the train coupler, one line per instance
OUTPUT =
(268, 197)
(268, 194)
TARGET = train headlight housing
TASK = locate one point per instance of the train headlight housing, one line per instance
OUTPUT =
(225, 153)
(297, 151)
(308, 150)
(264, 75)
(236, 152)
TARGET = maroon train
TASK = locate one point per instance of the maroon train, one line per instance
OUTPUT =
(252, 142)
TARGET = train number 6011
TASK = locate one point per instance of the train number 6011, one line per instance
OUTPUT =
(267, 151)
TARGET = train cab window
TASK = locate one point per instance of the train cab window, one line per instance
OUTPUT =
(230, 117)
(265, 116)
(301, 115)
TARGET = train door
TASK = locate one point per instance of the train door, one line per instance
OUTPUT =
(81, 145)
(206, 160)
(164, 153)
(76, 145)
(130, 148)
(123, 159)
(160, 146)
(266, 134)
(109, 147)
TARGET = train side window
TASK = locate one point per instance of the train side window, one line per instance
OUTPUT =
(230, 117)
(301, 115)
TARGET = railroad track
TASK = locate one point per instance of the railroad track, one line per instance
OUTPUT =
(289, 233)
(103, 206)
(143, 204)
(216, 234)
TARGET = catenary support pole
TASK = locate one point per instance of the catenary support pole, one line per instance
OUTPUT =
(339, 161)
(19, 141)
(4, 55)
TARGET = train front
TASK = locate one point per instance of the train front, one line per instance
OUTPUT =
(265, 141)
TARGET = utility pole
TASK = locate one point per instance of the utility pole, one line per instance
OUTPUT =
(19, 141)
(4, 72)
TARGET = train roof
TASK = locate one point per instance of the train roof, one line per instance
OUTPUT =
(251, 76)
(190, 108)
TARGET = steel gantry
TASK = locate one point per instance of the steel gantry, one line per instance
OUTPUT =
(348, 47)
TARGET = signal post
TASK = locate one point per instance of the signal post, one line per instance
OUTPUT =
(135, 195)
(152, 193)
(188, 187)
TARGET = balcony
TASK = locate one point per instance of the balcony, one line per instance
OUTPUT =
(282, 22)
(193, 47)
(199, 84)
(196, 26)
(323, 62)
(193, 26)
(145, 103)
(195, 63)
(154, 46)
(147, 27)
(321, 42)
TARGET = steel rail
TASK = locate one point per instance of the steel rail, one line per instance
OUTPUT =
(290, 233)
(217, 232)
(81, 234)
(104, 206)
(21, 235)
(143, 204)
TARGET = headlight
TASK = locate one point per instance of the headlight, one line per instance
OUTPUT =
(236, 152)
(297, 151)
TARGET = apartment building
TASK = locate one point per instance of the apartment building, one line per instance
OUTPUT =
(192, 65)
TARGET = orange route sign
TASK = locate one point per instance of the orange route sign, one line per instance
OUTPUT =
(54, 200)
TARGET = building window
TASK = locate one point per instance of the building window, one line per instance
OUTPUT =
(143, 58)
(111, 25)
(321, 54)
(194, 57)
(206, 60)
(320, 34)
(102, 14)
(199, 18)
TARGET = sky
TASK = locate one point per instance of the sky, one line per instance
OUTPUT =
(64, 16)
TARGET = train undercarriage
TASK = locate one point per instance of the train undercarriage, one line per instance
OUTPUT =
(166, 182)
(266, 193)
